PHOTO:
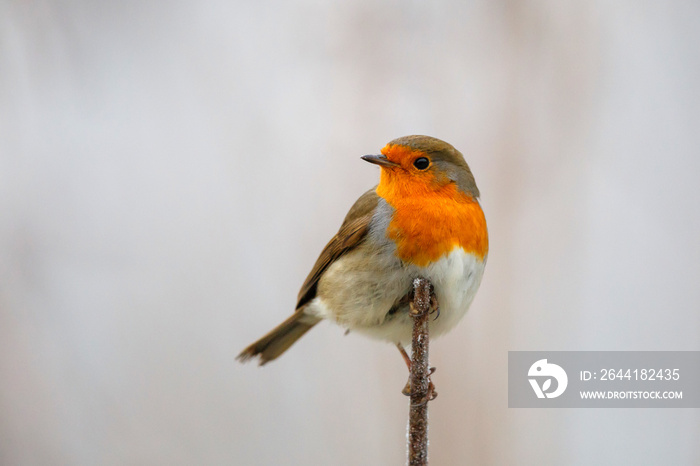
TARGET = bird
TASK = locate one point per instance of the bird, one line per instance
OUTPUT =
(423, 219)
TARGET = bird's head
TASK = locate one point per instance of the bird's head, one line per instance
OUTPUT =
(413, 165)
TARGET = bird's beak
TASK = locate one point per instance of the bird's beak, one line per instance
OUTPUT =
(379, 160)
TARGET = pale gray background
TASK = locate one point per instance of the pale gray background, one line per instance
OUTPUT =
(169, 172)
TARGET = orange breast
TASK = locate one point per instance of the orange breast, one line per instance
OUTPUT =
(427, 223)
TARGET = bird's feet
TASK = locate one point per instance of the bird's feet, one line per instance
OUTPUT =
(430, 395)
(434, 307)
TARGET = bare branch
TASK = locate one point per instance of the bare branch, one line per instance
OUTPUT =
(422, 389)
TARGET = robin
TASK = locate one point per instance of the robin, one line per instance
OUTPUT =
(423, 219)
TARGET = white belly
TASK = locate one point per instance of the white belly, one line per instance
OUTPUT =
(455, 277)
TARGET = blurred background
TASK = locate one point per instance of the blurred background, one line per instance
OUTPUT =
(169, 172)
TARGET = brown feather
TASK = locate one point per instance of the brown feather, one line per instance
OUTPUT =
(351, 234)
(280, 338)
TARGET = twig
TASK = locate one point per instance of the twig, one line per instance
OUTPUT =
(421, 388)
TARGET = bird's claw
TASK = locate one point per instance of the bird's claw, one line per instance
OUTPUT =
(434, 306)
(430, 395)
(413, 310)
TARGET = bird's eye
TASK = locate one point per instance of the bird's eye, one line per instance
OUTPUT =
(421, 163)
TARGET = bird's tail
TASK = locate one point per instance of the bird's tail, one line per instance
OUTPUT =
(280, 338)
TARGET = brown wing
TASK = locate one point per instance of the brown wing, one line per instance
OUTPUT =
(351, 234)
